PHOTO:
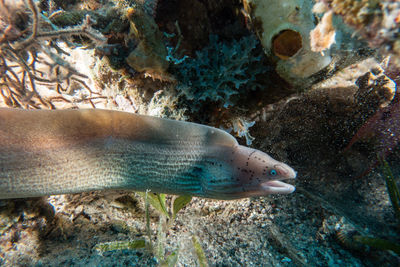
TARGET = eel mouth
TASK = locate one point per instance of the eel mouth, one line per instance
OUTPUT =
(277, 187)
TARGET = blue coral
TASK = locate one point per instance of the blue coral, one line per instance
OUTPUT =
(220, 70)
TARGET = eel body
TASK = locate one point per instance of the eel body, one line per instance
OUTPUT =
(70, 151)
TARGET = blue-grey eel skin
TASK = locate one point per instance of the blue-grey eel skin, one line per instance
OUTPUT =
(45, 152)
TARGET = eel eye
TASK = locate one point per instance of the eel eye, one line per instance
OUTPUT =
(273, 172)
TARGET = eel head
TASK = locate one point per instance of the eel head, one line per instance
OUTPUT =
(248, 172)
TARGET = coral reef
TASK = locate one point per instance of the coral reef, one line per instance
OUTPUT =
(27, 44)
(39, 42)
(216, 63)
(376, 21)
(220, 71)
(133, 37)
(383, 127)
(283, 28)
(241, 128)
(150, 54)
(304, 46)
(165, 105)
(323, 35)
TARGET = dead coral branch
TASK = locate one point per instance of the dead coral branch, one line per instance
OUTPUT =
(31, 54)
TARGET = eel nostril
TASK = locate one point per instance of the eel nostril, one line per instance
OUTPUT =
(281, 170)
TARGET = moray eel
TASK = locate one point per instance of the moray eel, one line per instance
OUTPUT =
(46, 152)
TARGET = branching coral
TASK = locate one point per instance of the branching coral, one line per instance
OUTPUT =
(220, 71)
(26, 44)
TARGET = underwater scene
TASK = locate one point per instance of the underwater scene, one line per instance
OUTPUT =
(199, 133)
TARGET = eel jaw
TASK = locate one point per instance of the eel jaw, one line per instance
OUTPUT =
(277, 187)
